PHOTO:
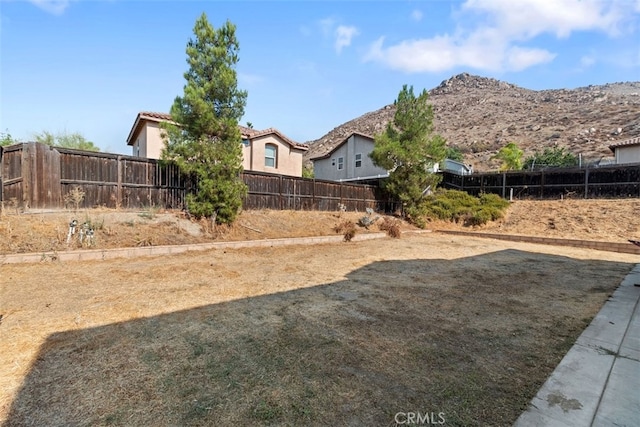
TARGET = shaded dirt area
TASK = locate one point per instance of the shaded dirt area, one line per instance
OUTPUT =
(338, 334)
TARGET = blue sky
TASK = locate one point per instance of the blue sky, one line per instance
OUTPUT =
(308, 66)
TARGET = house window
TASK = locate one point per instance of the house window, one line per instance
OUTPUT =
(340, 163)
(270, 155)
(246, 142)
(358, 160)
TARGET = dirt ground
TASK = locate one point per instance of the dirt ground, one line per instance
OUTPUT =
(601, 220)
(349, 333)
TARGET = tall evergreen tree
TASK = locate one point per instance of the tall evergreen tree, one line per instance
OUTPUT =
(205, 140)
(409, 148)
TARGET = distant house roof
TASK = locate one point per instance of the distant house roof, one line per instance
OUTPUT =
(244, 131)
(148, 116)
(327, 155)
(626, 143)
(253, 134)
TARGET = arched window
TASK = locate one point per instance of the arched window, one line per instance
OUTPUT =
(270, 155)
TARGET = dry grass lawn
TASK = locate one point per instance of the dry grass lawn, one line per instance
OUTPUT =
(335, 334)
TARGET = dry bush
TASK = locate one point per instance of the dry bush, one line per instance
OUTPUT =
(74, 198)
(11, 205)
(392, 227)
(348, 228)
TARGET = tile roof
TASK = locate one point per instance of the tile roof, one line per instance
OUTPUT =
(146, 115)
(157, 116)
(274, 131)
(628, 142)
(244, 131)
(338, 145)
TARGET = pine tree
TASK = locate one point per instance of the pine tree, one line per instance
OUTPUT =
(204, 139)
(409, 148)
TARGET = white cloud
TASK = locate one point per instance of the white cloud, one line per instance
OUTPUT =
(55, 7)
(529, 18)
(496, 42)
(587, 61)
(417, 15)
(343, 35)
(519, 58)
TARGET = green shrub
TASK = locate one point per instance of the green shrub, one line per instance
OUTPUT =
(458, 206)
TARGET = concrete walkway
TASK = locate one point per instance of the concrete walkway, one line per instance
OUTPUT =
(597, 383)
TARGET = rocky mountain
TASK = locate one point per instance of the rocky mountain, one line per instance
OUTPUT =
(479, 115)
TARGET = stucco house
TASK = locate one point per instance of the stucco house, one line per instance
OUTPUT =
(626, 151)
(267, 150)
(349, 161)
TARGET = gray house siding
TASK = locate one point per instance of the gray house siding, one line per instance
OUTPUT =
(630, 154)
(356, 163)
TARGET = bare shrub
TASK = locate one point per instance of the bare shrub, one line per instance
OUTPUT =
(74, 198)
(348, 228)
(392, 227)
(10, 205)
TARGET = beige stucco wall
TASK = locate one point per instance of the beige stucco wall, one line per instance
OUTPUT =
(246, 156)
(289, 161)
(154, 140)
(629, 154)
(139, 148)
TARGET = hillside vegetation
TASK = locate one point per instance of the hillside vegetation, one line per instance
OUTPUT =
(479, 115)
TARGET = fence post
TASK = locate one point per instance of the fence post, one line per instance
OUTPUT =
(586, 183)
(26, 174)
(119, 184)
(1, 174)
(504, 185)
(280, 190)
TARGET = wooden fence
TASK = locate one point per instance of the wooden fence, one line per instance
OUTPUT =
(37, 176)
(615, 181)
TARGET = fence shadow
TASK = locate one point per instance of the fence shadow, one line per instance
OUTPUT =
(473, 338)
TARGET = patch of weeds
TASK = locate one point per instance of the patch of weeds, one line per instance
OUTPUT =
(199, 408)
(302, 410)
(267, 411)
(11, 205)
(143, 241)
(94, 224)
(347, 228)
(150, 358)
(116, 418)
(150, 212)
(198, 348)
